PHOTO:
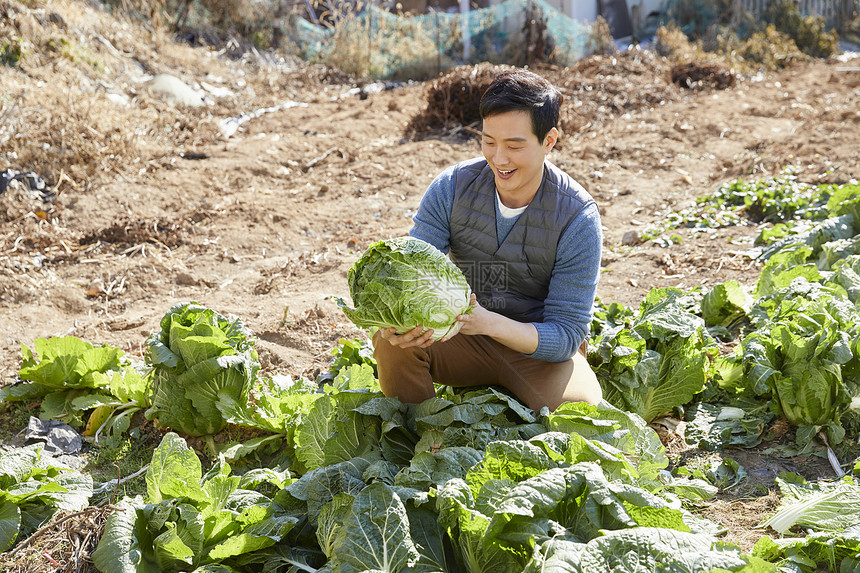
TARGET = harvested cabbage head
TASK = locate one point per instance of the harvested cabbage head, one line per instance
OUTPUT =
(404, 283)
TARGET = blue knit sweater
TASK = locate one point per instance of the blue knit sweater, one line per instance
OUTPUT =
(569, 304)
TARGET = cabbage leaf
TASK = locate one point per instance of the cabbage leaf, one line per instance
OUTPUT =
(404, 283)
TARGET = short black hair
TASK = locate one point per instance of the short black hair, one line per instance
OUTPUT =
(522, 90)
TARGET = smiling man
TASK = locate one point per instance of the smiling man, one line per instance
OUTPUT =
(528, 238)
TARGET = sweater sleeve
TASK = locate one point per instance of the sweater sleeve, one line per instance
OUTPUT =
(569, 304)
(432, 221)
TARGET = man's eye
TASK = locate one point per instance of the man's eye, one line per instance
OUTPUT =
(515, 148)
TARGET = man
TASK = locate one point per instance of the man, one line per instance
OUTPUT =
(528, 239)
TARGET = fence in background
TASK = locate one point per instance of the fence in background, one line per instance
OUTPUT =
(835, 12)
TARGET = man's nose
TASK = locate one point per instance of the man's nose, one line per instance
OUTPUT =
(500, 157)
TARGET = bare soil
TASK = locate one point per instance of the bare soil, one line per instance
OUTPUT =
(264, 224)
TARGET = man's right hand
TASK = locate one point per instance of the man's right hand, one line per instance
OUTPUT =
(418, 336)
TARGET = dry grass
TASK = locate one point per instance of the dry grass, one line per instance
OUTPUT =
(76, 110)
(602, 87)
(766, 50)
(699, 75)
(76, 103)
(596, 90)
(63, 545)
(453, 99)
(600, 40)
(741, 516)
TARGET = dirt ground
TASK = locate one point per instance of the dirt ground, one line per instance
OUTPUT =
(267, 225)
(264, 224)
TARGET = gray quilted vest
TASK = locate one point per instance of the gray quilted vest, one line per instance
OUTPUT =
(511, 279)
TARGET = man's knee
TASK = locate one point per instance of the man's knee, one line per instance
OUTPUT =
(583, 386)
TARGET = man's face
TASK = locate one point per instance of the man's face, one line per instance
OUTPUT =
(516, 155)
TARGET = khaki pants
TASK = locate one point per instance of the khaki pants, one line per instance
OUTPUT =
(464, 360)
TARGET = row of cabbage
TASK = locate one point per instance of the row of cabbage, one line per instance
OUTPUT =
(471, 480)
(795, 335)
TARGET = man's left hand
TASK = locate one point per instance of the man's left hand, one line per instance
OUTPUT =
(475, 322)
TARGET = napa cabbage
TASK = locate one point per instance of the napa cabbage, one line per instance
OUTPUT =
(404, 283)
(199, 358)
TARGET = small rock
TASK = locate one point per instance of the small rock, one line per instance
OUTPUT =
(175, 92)
(96, 288)
(631, 238)
(352, 243)
(186, 279)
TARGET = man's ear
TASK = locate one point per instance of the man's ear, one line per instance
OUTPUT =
(550, 140)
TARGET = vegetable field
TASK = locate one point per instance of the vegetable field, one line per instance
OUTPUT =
(171, 293)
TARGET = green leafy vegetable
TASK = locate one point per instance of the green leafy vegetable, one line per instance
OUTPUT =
(404, 283)
(349, 352)
(375, 534)
(714, 426)
(823, 506)
(33, 486)
(61, 370)
(199, 358)
(725, 304)
(187, 521)
(796, 358)
(816, 551)
(657, 363)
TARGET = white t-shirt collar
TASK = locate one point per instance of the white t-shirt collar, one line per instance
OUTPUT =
(507, 212)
